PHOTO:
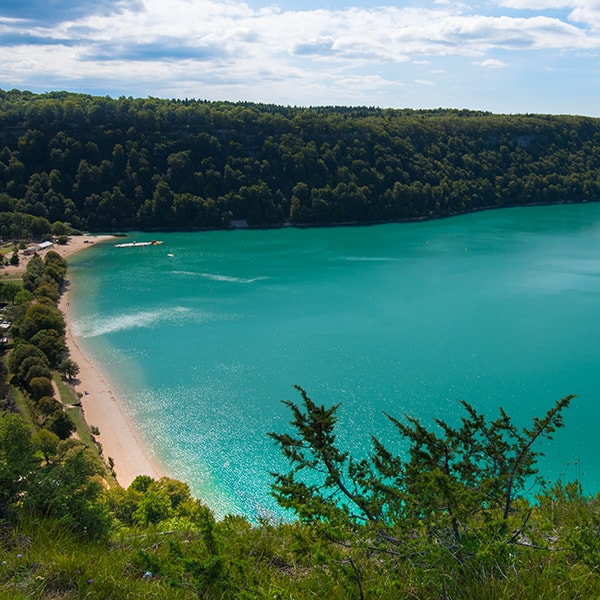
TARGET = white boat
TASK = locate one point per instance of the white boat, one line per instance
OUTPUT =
(136, 244)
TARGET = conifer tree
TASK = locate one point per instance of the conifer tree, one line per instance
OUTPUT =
(459, 486)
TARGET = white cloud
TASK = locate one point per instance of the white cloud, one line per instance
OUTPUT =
(228, 50)
(388, 33)
(538, 5)
(581, 11)
(491, 63)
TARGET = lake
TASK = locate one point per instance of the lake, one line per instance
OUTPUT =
(204, 335)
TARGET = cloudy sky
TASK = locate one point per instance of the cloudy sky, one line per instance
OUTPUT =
(506, 56)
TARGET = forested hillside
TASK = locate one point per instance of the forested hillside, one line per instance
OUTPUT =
(98, 163)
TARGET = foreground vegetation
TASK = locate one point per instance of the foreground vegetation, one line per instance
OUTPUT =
(232, 560)
(97, 163)
(447, 521)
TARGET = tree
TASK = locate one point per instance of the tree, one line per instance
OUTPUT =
(21, 352)
(47, 289)
(54, 273)
(68, 368)
(153, 507)
(68, 489)
(32, 366)
(46, 442)
(33, 273)
(55, 266)
(52, 344)
(176, 491)
(16, 460)
(61, 424)
(48, 405)
(40, 387)
(123, 503)
(160, 499)
(141, 483)
(454, 486)
(60, 229)
(31, 376)
(41, 316)
(8, 291)
(23, 297)
(3, 373)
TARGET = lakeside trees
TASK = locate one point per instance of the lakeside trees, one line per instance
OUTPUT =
(38, 340)
(103, 164)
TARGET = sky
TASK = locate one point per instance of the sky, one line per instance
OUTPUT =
(503, 56)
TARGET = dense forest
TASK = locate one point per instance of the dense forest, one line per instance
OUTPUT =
(97, 163)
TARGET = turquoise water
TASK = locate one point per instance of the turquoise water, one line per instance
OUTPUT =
(203, 336)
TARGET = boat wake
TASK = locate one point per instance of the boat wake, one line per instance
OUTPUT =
(94, 326)
(138, 244)
(371, 258)
(219, 277)
(227, 278)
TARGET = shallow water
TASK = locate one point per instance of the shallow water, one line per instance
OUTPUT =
(204, 335)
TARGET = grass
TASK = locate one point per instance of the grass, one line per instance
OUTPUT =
(6, 251)
(43, 560)
(71, 403)
(12, 277)
(24, 407)
(27, 411)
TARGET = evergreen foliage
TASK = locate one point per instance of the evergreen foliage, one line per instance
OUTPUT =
(462, 493)
(96, 163)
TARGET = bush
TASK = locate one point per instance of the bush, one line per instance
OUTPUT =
(40, 387)
(48, 405)
(61, 424)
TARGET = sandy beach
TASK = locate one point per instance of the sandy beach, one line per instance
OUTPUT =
(101, 408)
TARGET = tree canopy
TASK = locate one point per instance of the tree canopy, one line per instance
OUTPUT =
(98, 163)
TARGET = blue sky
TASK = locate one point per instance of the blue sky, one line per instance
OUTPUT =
(504, 56)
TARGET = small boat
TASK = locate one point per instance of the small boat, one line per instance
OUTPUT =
(137, 244)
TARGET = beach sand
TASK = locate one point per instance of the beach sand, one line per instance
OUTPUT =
(101, 409)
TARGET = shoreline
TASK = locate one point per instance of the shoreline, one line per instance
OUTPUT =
(100, 407)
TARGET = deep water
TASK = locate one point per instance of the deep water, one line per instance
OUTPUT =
(204, 335)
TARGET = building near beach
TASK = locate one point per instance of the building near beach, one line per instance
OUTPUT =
(38, 247)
